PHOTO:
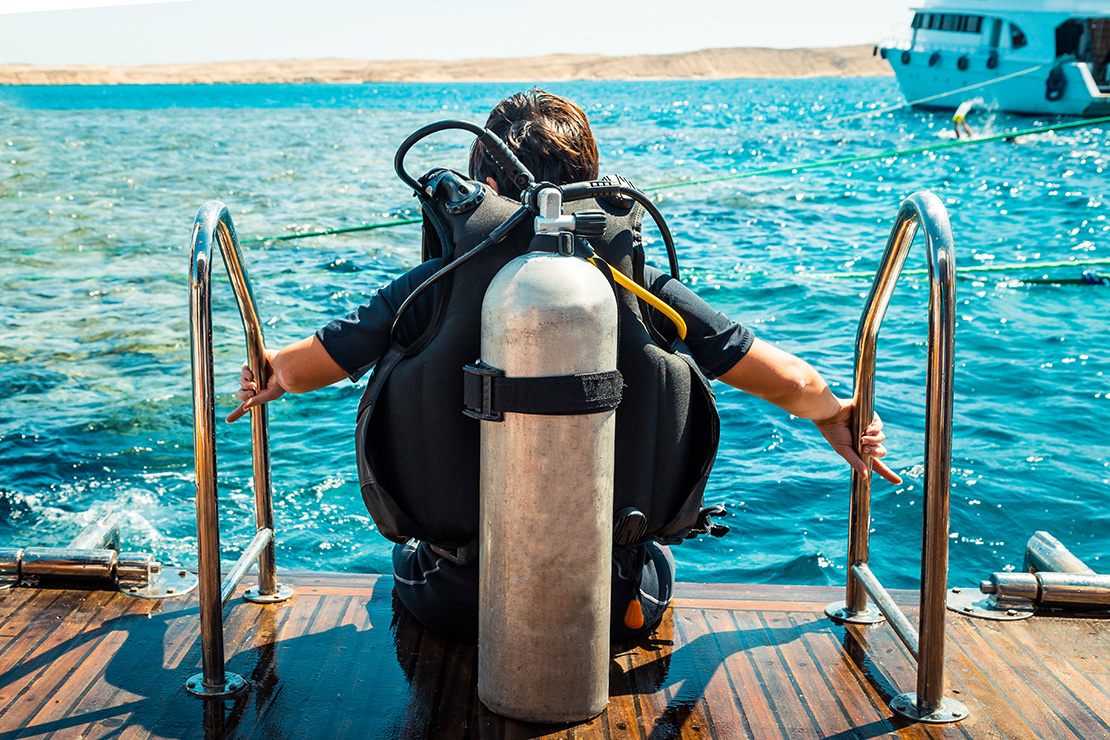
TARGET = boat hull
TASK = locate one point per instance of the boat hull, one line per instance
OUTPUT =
(933, 79)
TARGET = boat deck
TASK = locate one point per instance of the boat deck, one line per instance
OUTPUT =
(340, 660)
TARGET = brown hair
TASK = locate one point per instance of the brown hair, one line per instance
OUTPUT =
(548, 133)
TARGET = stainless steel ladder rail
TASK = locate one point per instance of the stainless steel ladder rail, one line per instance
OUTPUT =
(926, 643)
(212, 228)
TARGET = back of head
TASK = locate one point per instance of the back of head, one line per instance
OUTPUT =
(548, 133)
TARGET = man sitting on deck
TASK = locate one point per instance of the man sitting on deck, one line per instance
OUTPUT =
(552, 137)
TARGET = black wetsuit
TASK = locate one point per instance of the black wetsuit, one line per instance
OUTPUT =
(443, 594)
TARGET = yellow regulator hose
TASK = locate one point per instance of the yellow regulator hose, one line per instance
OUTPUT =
(645, 295)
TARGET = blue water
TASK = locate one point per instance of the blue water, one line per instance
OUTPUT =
(99, 187)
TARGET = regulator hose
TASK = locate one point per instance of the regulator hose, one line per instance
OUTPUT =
(494, 237)
(496, 148)
(645, 295)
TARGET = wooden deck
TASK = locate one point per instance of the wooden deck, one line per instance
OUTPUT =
(340, 660)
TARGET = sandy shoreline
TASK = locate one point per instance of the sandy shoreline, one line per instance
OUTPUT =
(844, 61)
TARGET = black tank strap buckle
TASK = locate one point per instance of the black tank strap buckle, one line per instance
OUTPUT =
(478, 391)
(488, 394)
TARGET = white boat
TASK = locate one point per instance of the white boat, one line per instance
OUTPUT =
(1035, 57)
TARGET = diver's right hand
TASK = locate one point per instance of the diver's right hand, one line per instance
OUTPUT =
(249, 393)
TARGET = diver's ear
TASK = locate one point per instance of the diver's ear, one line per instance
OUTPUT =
(493, 185)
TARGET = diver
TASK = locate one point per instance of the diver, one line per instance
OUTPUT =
(958, 121)
(410, 395)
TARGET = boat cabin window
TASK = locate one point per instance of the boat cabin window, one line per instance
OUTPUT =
(956, 22)
(1017, 37)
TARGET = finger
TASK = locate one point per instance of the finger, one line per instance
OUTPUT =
(245, 394)
(874, 450)
(875, 426)
(872, 439)
(886, 473)
(247, 383)
(245, 371)
(238, 413)
(852, 458)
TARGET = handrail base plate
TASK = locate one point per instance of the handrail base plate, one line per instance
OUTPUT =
(233, 684)
(905, 705)
(255, 595)
(970, 602)
(838, 611)
(168, 584)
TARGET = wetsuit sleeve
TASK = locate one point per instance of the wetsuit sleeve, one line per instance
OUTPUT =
(716, 342)
(357, 341)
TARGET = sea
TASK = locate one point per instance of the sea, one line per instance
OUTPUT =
(99, 187)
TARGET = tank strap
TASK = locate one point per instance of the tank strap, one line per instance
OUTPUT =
(488, 394)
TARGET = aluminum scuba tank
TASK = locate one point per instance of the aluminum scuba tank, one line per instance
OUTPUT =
(545, 538)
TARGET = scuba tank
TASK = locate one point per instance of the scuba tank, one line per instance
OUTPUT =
(549, 320)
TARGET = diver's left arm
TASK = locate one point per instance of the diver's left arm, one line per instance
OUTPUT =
(731, 353)
(795, 386)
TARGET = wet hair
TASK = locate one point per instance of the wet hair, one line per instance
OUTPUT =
(548, 133)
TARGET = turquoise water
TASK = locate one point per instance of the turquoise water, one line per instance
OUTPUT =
(98, 191)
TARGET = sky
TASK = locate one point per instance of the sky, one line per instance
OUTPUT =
(129, 32)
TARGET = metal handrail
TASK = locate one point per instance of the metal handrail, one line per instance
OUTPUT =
(926, 643)
(213, 227)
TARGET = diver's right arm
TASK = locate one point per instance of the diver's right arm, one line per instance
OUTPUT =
(299, 367)
(344, 348)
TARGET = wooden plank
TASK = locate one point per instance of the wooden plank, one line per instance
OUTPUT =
(1045, 673)
(623, 713)
(85, 680)
(763, 593)
(745, 675)
(1086, 642)
(648, 671)
(717, 672)
(13, 602)
(725, 715)
(688, 698)
(865, 710)
(1023, 698)
(423, 675)
(825, 708)
(35, 680)
(885, 670)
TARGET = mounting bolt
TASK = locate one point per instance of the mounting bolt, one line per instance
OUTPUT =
(955, 590)
(1010, 612)
(969, 609)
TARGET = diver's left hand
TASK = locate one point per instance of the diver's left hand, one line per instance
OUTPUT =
(838, 432)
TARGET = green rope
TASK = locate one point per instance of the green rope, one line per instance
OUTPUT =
(790, 169)
(883, 155)
(980, 268)
(329, 232)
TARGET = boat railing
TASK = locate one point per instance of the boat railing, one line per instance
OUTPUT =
(212, 228)
(926, 643)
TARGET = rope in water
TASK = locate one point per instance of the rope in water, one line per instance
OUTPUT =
(936, 97)
(329, 232)
(788, 169)
(978, 269)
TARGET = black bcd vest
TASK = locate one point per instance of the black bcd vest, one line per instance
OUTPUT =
(418, 454)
